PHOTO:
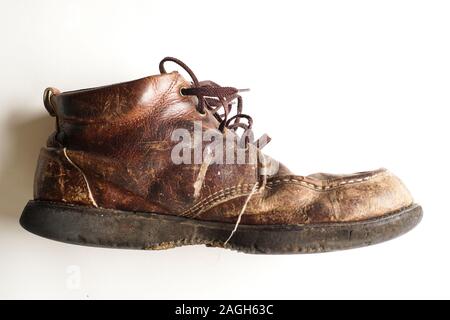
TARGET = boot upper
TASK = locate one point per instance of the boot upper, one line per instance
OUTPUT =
(113, 148)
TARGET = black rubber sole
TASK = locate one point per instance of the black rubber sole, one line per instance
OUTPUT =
(136, 230)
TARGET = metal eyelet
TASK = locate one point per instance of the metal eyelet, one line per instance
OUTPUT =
(181, 91)
(203, 114)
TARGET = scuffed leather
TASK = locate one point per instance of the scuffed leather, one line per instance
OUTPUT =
(57, 179)
(300, 200)
(119, 136)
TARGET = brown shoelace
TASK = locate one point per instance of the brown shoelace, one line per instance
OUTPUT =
(214, 97)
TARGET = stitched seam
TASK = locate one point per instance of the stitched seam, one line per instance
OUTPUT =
(236, 191)
(222, 199)
(231, 192)
(218, 194)
(319, 188)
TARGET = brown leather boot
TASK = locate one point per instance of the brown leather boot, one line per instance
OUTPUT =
(134, 165)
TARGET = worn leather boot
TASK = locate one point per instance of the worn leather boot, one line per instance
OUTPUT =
(160, 162)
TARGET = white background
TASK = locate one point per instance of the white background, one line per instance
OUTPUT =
(340, 86)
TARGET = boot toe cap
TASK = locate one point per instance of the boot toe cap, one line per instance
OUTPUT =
(360, 196)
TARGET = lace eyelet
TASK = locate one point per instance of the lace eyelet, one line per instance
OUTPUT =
(181, 91)
(203, 114)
